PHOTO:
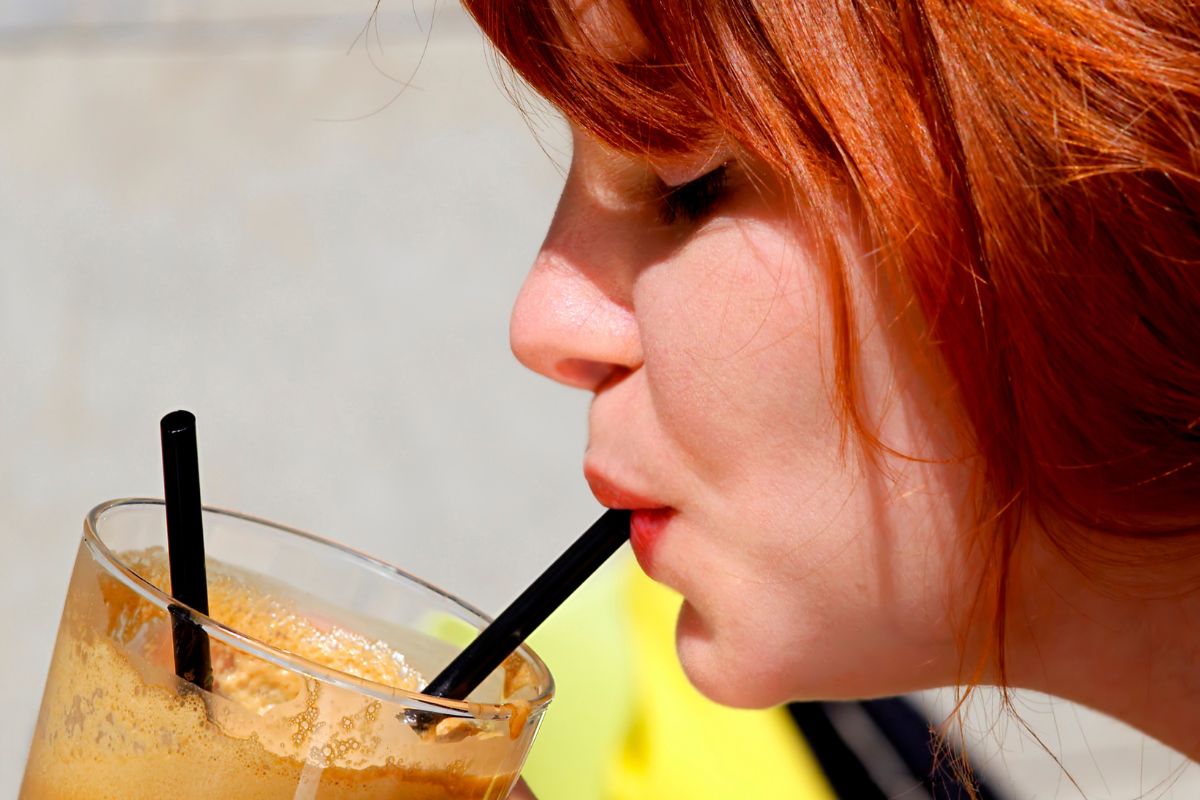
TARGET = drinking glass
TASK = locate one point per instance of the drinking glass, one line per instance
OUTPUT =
(317, 652)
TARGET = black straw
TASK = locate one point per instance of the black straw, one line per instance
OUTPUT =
(185, 547)
(498, 640)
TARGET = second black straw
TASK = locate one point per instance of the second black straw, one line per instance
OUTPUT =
(185, 547)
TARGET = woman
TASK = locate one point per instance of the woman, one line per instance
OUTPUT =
(890, 314)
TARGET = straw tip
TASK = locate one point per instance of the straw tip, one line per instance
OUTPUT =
(178, 422)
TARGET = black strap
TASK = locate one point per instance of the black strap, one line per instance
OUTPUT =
(841, 766)
(913, 740)
(890, 739)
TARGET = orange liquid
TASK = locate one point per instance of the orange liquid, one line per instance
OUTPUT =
(115, 723)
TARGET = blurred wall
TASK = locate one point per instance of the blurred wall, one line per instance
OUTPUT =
(235, 208)
(244, 215)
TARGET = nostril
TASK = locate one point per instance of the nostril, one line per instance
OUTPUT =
(615, 376)
(582, 372)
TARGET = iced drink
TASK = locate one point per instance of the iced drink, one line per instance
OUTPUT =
(317, 655)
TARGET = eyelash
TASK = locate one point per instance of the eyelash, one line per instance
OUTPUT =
(691, 202)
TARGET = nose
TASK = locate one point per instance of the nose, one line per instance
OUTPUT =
(573, 320)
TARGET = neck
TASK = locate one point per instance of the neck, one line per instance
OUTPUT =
(1127, 645)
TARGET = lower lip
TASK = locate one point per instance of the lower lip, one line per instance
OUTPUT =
(646, 528)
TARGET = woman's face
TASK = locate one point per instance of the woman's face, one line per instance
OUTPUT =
(701, 324)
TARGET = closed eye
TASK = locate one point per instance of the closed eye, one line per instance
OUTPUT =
(693, 201)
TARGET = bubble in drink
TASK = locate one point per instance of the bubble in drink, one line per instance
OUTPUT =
(117, 722)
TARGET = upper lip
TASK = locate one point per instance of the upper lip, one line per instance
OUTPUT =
(613, 495)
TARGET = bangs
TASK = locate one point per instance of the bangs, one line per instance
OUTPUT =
(607, 67)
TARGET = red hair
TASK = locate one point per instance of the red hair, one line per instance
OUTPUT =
(1028, 172)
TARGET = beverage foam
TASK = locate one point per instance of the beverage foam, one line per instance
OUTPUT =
(241, 606)
(115, 722)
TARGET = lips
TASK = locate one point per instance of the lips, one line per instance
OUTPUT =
(613, 495)
(646, 528)
(648, 522)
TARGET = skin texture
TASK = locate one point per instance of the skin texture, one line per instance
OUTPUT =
(807, 570)
(707, 349)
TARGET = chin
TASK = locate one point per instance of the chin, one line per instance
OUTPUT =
(727, 675)
(741, 672)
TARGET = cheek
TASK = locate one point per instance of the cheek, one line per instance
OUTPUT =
(729, 329)
(803, 569)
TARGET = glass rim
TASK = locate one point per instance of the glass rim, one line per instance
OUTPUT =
(282, 658)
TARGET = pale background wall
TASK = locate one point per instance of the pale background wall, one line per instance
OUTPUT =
(187, 218)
